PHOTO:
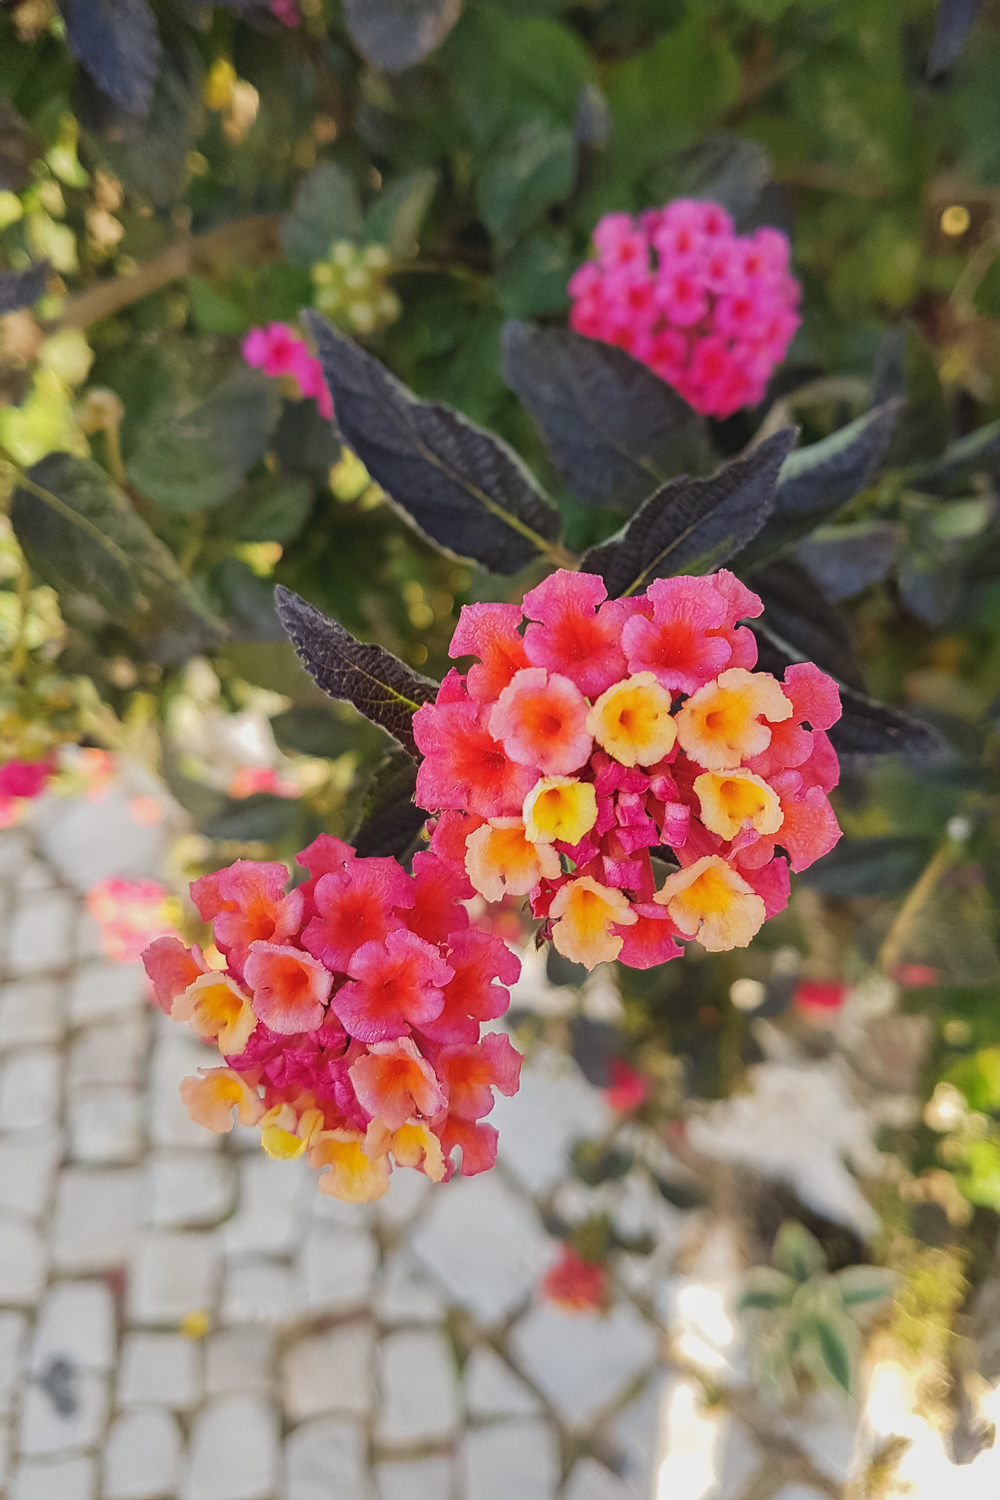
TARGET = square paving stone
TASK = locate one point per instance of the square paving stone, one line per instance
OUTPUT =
(418, 1385)
(160, 1369)
(513, 1459)
(329, 1372)
(29, 1089)
(65, 1408)
(41, 933)
(30, 1013)
(580, 1360)
(28, 1172)
(101, 990)
(234, 1452)
(239, 1360)
(172, 1275)
(142, 1456)
(76, 1323)
(260, 1291)
(324, 1459)
(97, 1218)
(417, 1479)
(72, 1479)
(190, 1188)
(337, 1268)
(105, 1125)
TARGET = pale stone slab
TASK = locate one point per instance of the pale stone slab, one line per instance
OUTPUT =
(405, 1292)
(554, 1107)
(64, 1409)
(260, 1291)
(30, 1013)
(325, 1459)
(177, 1055)
(592, 1481)
(159, 1369)
(105, 1126)
(239, 1360)
(29, 1089)
(265, 1223)
(100, 990)
(13, 1339)
(23, 1263)
(76, 1323)
(109, 1054)
(417, 1380)
(73, 1479)
(485, 1244)
(329, 1372)
(234, 1451)
(15, 852)
(172, 1275)
(493, 1390)
(640, 1435)
(580, 1360)
(407, 1192)
(97, 1217)
(41, 934)
(88, 841)
(190, 1188)
(514, 1458)
(142, 1456)
(417, 1479)
(28, 1173)
(337, 1268)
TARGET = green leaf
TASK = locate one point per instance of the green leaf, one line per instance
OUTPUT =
(150, 155)
(860, 1286)
(398, 213)
(526, 174)
(905, 367)
(613, 428)
(118, 44)
(797, 1252)
(976, 453)
(379, 685)
(765, 1290)
(390, 823)
(954, 19)
(462, 487)
(398, 34)
(250, 820)
(211, 312)
(273, 508)
(884, 866)
(693, 525)
(81, 534)
(843, 560)
(833, 1352)
(978, 1078)
(980, 1178)
(187, 459)
(326, 208)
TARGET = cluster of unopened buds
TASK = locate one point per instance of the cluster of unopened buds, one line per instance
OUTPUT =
(348, 1015)
(351, 287)
(621, 764)
(279, 352)
(711, 311)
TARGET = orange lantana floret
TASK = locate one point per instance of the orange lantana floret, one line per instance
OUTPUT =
(500, 860)
(712, 902)
(722, 723)
(632, 721)
(732, 799)
(584, 914)
(353, 1177)
(213, 1092)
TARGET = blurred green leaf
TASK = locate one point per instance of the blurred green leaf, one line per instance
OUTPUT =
(797, 1253)
(327, 208)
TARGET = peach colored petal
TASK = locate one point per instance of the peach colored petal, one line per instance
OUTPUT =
(501, 861)
(584, 914)
(710, 901)
(721, 724)
(353, 1177)
(730, 799)
(632, 721)
(210, 1095)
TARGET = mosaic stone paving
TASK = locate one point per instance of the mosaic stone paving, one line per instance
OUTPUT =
(183, 1319)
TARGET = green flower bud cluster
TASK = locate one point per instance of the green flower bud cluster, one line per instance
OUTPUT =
(39, 708)
(350, 287)
(45, 422)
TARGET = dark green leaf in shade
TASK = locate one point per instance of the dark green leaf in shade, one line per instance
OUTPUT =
(273, 508)
(118, 44)
(843, 560)
(833, 1352)
(861, 1286)
(84, 537)
(817, 480)
(797, 612)
(390, 823)
(398, 34)
(883, 866)
(250, 820)
(398, 213)
(765, 1289)
(19, 147)
(462, 487)
(975, 453)
(326, 209)
(22, 288)
(380, 686)
(188, 459)
(319, 729)
(305, 442)
(954, 17)
(613, 428)
(905, 367)
(149, 153)
(524, 175)
(210, 311)
(531, 280)
(693, 525)
(724, 167)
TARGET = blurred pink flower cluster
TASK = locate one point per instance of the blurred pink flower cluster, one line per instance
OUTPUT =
(130, 914)
(21, 781)
(711, 311)
(278, 351)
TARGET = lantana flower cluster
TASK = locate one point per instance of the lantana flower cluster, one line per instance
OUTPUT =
(711, 311)
(278, 351)
(621, 764)
(348, 1015)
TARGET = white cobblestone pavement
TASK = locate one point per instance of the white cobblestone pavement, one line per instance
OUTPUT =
(397, 1351)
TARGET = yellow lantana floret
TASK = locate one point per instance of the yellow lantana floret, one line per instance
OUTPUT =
(559, 807)
(353, 1177)
(414, 1144)
(209, 1097)
(632, 721)
(729, 799)
(285, 1134)
(501, 861)
(217, 1009)
(583, 914)
(720, 725)
(713, 903)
